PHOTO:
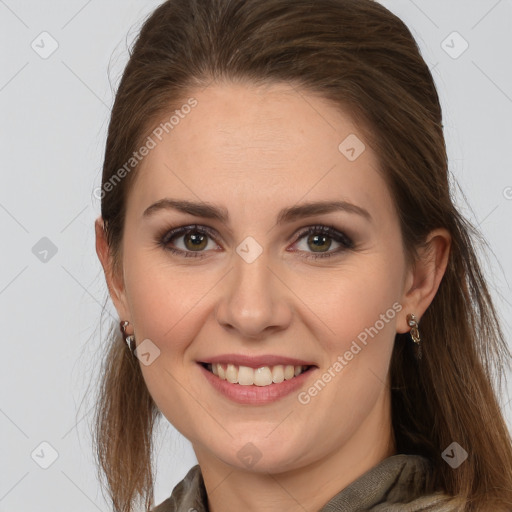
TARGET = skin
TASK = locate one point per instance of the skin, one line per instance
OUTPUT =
(255, 151)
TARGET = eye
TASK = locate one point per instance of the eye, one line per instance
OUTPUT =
(194, 240)
(319, 239)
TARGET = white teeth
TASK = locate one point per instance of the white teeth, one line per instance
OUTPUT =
(263, 376)
(278, 374)
(232, 374)
(245, 376)
(289, 372)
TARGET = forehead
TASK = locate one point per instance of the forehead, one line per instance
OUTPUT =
(275, 143)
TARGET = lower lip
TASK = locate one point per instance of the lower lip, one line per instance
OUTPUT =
(256, 395)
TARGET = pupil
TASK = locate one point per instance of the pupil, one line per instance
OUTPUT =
(317, 238)
(196, 239)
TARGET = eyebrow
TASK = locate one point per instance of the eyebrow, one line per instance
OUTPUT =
(289, 214)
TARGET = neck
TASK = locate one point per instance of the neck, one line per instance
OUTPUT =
(309, 487)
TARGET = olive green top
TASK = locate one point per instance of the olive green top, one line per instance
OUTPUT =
(396, 484)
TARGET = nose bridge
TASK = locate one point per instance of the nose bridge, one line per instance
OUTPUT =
(252, 302)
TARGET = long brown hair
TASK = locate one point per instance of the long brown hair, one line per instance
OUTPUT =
(364, 59)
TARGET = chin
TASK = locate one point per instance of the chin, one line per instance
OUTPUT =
(262, 457)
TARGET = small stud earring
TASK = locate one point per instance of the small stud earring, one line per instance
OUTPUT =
(415, 333)
(130, 339)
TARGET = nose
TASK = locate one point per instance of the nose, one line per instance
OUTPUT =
(254, 301)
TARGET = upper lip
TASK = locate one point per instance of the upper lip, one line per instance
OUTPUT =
(256, 361)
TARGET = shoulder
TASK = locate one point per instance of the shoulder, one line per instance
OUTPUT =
(412, 490)
(399, 483)
(188, 494)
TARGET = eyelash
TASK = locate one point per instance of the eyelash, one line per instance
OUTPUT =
(165, 238)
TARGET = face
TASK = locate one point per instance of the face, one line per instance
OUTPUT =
(271, 285)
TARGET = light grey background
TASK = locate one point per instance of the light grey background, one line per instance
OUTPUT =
(54, 116)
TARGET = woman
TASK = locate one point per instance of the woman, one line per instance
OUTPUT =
(298, 294)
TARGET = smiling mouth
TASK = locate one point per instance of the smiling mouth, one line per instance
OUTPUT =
(261, 376)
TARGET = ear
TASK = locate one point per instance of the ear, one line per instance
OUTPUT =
(115, 283)
(424, 277)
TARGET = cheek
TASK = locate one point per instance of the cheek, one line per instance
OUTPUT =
(166, 305)
(354, 298)
(358, 317)
(164, 299)
(359, 309)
